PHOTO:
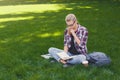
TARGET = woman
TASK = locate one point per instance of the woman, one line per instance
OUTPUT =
(75, 41)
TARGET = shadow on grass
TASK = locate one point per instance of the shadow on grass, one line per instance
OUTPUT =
(22, 2)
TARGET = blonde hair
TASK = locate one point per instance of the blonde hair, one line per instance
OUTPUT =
(70, 17)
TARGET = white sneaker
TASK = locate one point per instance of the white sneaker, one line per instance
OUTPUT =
(46, 56)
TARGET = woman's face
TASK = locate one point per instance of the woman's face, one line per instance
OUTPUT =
(71, 24)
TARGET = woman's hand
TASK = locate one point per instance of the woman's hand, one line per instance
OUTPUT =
(70, 31)
(63, 61)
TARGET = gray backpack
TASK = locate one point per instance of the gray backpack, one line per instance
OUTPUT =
(98, 59)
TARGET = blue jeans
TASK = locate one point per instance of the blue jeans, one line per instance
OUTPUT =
(77, 59)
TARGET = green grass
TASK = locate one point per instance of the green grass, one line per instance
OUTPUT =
(28, 30)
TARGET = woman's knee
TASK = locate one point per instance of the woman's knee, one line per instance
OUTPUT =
(51, 49)
(82, 57)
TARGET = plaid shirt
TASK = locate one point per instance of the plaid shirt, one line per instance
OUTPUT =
(82, 34)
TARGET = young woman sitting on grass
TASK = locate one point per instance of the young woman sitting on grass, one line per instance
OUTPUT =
(75, 40)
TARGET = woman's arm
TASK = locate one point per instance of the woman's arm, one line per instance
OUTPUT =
(66, 48)
(75, 36)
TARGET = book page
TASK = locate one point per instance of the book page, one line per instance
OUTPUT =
(64, 55)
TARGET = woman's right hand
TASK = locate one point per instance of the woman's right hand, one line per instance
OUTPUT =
(69, 30)
(62, 61)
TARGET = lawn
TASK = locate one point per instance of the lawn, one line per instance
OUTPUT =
(28, 29)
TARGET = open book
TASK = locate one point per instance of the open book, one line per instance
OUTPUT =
(64, 56)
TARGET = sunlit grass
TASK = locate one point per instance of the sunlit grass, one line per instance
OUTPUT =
(4, 41)
(81, 7)
(2, 26)
(19, 9)
(44, 35)
(23, 37)
(15, 19)
(85, 7)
